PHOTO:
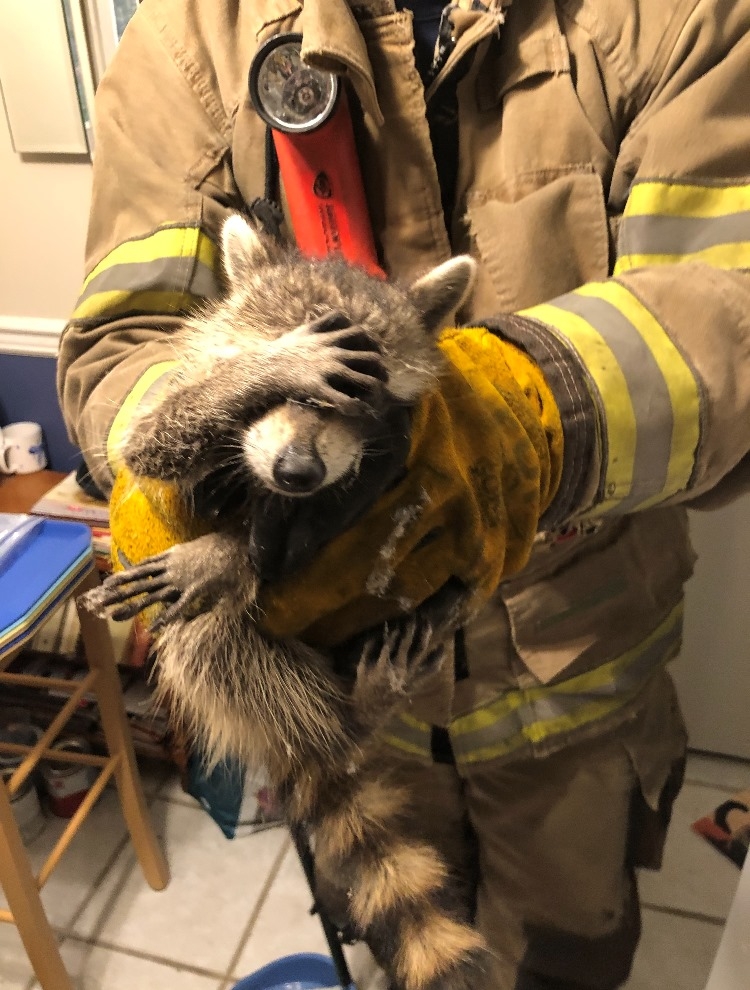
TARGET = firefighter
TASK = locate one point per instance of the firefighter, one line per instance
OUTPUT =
(595, 160)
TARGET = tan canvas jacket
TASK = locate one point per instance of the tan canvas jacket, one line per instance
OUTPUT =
(603, 186)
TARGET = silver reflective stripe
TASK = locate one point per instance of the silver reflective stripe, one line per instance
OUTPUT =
(165, 271)
(162, 275)
(649, 396)
(409, 735)
(525, 718)
(648, 392)
(672, 235)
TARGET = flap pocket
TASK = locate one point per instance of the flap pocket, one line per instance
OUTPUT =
(617, 596)
(656, 746)
(534, 56)
(547, 243)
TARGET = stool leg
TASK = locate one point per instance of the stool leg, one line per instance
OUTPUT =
(97, 645)
(19, 884)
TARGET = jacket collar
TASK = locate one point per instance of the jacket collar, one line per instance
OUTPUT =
(332, 39)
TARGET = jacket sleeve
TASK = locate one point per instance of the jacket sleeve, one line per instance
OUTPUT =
(651, 368)
(161, 186)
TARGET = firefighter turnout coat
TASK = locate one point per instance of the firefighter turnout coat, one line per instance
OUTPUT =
(603, 185)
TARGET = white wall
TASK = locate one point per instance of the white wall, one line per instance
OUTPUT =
(713, 673)
(44, 207)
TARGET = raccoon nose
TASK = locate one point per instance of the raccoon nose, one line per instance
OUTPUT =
(299, 472)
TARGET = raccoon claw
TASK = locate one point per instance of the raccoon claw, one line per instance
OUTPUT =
(123, 595)
(181, 577)
(391, 664)
(358, 383)
(349, 361)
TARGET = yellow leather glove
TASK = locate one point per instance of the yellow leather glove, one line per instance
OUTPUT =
(484, 464)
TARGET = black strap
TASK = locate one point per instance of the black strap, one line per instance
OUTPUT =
(267, 209)
(460, 660)
(441, 749)
(271, 190)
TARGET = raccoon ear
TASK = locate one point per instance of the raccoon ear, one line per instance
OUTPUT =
(439, 293)
(243, 248)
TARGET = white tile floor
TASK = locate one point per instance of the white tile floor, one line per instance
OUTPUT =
(233, 906)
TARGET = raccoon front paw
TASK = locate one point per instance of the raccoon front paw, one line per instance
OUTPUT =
(123, 595)
(337, 364)
(188, 578)
(393, 661)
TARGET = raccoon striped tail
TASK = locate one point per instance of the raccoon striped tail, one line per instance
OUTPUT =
(402, 899)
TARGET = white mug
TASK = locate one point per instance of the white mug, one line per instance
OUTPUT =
(21, 448)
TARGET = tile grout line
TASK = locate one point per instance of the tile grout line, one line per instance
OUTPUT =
(229, 978)
(122, 846)
(117, 889)
(109, 904)
(101, 875)
(708, 785)
(262, 898)
(719, 757)
(707, 919)
(66, 932)
(148, 956)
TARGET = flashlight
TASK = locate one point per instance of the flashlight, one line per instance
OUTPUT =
(307, 111)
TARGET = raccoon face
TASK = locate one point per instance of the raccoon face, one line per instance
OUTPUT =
(297, 449)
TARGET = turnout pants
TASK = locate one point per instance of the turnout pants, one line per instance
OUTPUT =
(549, 847)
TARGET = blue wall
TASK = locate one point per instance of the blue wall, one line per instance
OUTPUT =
(27, 392)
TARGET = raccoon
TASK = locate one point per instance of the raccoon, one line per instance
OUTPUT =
(279, 388)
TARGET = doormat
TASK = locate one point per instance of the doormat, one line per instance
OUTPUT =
(727, 827)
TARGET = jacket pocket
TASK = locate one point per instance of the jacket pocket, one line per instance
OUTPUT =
(656, 745)
(544, 244)
(621, 592)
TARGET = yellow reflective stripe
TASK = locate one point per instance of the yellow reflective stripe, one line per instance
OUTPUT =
(515, 742)
(613, 392)
(129, 406)
(591, 710)
(167, 242)
(726, 256)
(397, 742)
(410, 735)
(117, 301)
(667, 223)
(166, 271)
(683, 199)
(678, 377)
(486, 717)
(540, 732)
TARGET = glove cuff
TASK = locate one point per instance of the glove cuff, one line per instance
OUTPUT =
(566, 380)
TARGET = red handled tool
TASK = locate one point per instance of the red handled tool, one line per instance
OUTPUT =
(308, 113)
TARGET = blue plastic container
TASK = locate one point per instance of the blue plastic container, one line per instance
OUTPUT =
(303, 971)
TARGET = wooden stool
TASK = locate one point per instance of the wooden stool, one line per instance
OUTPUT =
(56, 564)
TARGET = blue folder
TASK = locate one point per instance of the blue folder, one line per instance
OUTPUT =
(39, 574)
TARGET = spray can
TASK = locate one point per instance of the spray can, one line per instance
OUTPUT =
(67, 784)
(25, 802)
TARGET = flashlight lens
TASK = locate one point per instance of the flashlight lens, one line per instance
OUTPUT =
(294, 96)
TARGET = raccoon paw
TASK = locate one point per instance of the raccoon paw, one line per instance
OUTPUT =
(393, 661)
(337, 364)
(123, 595)
(188, 578)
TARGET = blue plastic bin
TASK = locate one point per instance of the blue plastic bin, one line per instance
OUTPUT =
(303, 971)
